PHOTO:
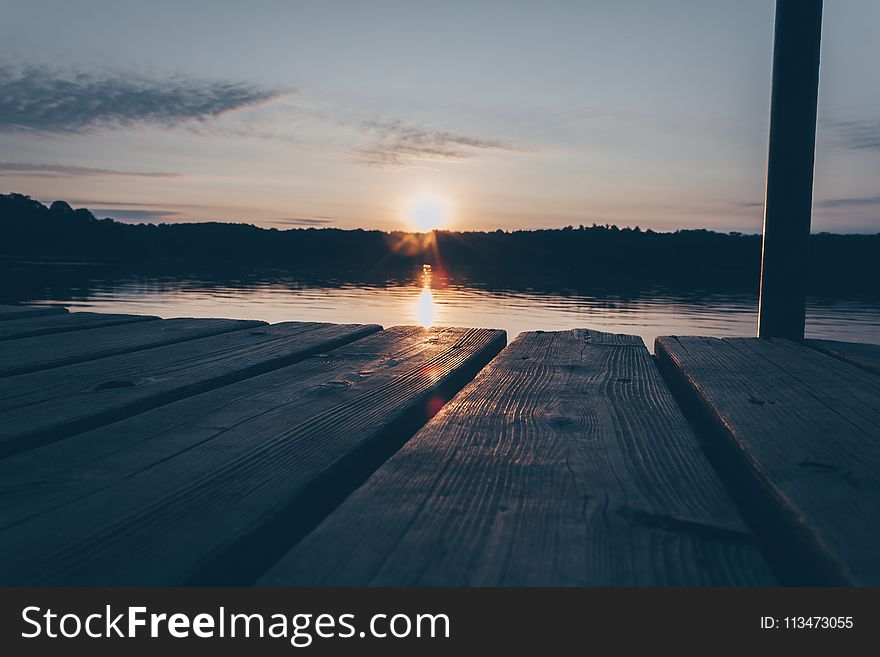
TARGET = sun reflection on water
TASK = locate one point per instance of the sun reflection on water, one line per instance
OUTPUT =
(424, 308)
(429, 296)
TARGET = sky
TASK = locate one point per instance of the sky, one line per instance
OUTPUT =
(364, 114)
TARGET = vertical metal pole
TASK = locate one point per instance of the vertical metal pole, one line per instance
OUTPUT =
(789, 194)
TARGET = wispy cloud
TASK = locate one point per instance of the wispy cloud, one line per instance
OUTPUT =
(138, 216)
(303, 221)
(396, 144)
(54, 101)
(852, 202)
(107, 203)
(848, 202)
(68, 171)
(857, 135)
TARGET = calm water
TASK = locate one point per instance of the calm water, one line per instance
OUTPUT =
(427, 298)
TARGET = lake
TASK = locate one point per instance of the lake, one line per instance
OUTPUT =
(422, 296)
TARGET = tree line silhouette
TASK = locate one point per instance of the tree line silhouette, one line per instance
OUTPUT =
(604, 254)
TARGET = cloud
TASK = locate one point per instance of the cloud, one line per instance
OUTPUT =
(304, 221)
(91, 202)
(853, 202)
(858, 135)
(850, 202)
(139, 216)
(67, 171)
(396, 145)
(52, 101)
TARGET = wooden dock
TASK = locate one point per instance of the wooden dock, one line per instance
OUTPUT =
(140, 451)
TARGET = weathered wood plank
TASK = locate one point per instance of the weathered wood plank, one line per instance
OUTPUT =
(48, 324)
(48, 351)
(801, 431)
(43, 406)
(565, 462)
(20, 312)
(866, 356)
(213, 488)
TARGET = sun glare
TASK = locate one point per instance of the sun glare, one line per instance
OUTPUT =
(427, 213)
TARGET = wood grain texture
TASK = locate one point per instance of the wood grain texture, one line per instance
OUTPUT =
(213, 488)
(865, 356)
(48, 324)
(804, 429)
(48, 405)
(565, 462)
(21, 312)
(48, 351)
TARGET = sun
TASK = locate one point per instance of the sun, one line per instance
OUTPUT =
(428, 212)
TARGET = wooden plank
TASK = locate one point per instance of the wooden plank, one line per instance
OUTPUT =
(213, 488)
(44, 406)
(565, 462)
(866, 356)
(48, 324)
(8, 312)
(48, 351)
(801, 432)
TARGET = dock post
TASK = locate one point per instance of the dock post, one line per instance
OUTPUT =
(789, 193)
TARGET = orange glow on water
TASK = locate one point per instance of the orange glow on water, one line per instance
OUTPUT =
(424, 308)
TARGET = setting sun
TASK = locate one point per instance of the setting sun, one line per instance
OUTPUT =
(427, 213)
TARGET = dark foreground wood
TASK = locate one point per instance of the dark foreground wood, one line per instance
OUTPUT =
(801, 433)
(45, 352)
(565, 462)
(61, 323)
(866, 356)
(215, 487)
(20, 312)
(49, 405)
(136, 450)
